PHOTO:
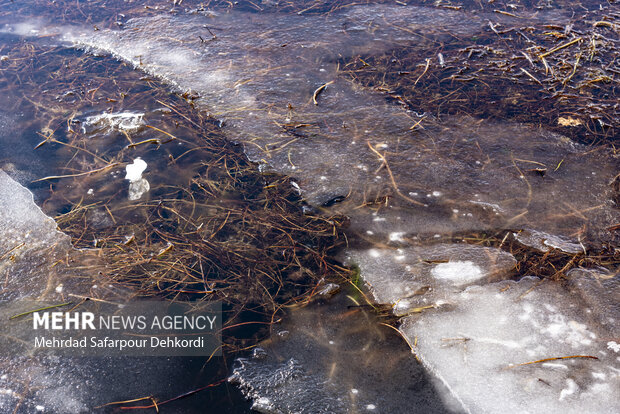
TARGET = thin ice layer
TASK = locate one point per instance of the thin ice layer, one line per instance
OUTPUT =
(475, 338)
(123, 121)
(259, 75)
(30, 243)
(332, 359)
(412, 277)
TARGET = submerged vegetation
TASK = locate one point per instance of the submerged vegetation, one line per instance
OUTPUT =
(208, 224)
(213, 225)
(560, 72)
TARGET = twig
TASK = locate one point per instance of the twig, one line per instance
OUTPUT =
(555, 49)
(550, 359)
(318, 91)
(52, 177)
(40, 309)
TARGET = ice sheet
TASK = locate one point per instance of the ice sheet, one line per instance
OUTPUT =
(259, 73)
(30, 243)
(498, 336)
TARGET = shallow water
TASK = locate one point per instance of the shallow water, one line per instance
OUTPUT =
(402, 177)
(40, 263)
(330, 357)
(259, 74)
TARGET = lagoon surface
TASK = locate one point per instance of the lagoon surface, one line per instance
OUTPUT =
(403, 206)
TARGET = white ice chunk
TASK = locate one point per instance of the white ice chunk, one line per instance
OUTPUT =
(396, 236)
(458, 272)
(137, 185)
(135, 170)
(123, 121)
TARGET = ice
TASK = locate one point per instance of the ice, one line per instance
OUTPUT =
(476, 329)
(137, 185)
(489, 336)
(135, 169)
(399, 275)
(124, 121)
(30, 243)
(479, 169)
(330, 361)
(545, 242)
(459, 272)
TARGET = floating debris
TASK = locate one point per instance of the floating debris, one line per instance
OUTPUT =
(137, 185)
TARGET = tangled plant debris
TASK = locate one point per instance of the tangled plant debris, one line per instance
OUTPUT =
(561, 73)
(212, 226)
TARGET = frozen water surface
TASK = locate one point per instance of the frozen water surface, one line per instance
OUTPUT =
(507, 338)
(332, 359)
(30, 244)
(494, 343)
(35, 260)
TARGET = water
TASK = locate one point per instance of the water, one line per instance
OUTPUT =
(256, 77)
(329, 357)
(305, 95)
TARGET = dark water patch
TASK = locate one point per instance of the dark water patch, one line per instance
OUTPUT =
(329, 358)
